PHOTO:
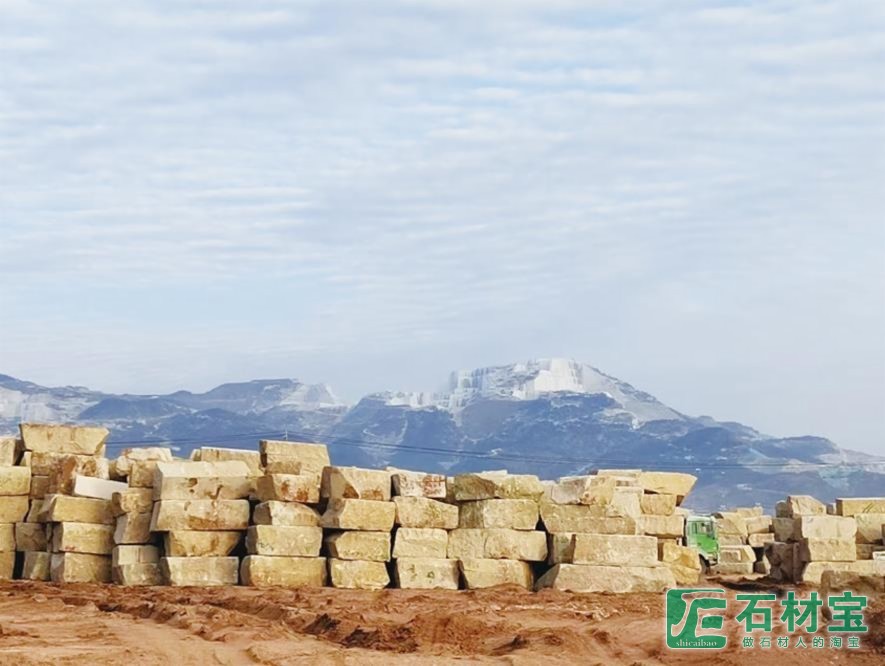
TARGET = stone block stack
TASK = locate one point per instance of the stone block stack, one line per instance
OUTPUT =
(497, 539)
(605, 531)
(285, 539)
(136, 557)
(738, 530)
(869, 514)
(360, 516)
(202, 509)
(15, 488)
(423, 522)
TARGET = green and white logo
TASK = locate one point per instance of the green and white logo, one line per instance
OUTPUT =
(687, 627)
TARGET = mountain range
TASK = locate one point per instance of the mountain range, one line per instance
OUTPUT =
(550, 417)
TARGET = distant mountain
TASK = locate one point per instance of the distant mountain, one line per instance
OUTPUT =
(549, 417)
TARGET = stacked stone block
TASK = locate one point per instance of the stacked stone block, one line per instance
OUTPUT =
(869, 514)
(360, 515)
(424, 519)
(202, 510)
(743, 534)
(15, 488)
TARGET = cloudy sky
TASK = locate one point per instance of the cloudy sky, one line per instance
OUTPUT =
(687, 195)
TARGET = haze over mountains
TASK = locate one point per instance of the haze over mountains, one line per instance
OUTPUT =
(550, 417)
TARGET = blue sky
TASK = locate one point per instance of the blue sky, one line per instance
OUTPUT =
(687, 195)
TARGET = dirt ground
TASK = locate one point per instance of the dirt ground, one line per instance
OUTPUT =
(42, 623)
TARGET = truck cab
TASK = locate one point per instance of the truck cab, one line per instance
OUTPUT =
(700, 533)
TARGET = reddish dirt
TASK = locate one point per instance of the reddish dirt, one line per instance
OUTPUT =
(42, 623)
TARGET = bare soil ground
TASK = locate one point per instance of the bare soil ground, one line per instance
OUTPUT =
(42, 623)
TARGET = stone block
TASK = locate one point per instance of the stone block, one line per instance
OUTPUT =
(481, 573)
(79, 568)
(784, 559)
(729, 522)
(852, 506)
(15, 481)
(9, 451)
(826, 527)
(132, 500)
(603, 578)
(424, 573)
(14, 509)
(812, 572)
(33, 512)
(666, 483)
(425, 512)
(802, 505)
(124, 462)
(36, 565)
(761, 567)
(417, 484)
(497, 543)
(356, 483)
(869, 527)
(7, 536)
(84, 440)
(133, 528)
(200, 515)
(301, 488)
(734, 568)
(67, 509)
(733, 554)
(359, 514)
(284, 541)
(141, 473)
(82, 538)
(187, 543)
(496, 485)
(285, 514)
(358, 574)
(422, 543)
(68, 467)
(785, 529)
(264, 571)
(732, 540)
(39, 487)
(288, 466)
(759, 539)
(626, 502)
(368, 546)
(30, 537)
(758, 524)
(90, 486)
(749, 512)
(7, 564)
(135, 555)
(221, 454)
(200, 571)
(585, 490)
(227, 480)
(683, 561)
(662, 504)
(138, 574)
(588, 519)
(312, 458)
(665, 527)
(517, 514)
(614, 549)
(827, 550)
(867, 551)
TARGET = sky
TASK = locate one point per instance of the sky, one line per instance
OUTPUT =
(687, 195)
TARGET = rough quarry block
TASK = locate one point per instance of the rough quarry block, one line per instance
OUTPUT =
(813, 571)
(358, 574)
(481, 573)
(759, 539)
(33, 512)
(67, 509)
(602, 578)
(200, 515)
(663, 504)
(626, 502)
(14, 509)
(36, 565)
(201, 571)
(734, 568)
(800, 505)
(84, 440)
(425, 512)
(785, 529)
(424, 543)
(228, 480)
(852, 506)
(517, 514)
(285, 514)
(614, 549)
(7, 564)
(79, 568)
(359, 514)
(869, 527)
(684, 562)
(586, 490)
(82, 538)
(669, 483)
(263, 571)
(9, 451)
(15, 481)
(500, 485)
(284, 541)
(137, 574)
(732, 554)
(301, 488)
(356, 483)
(368, 546)
(312, 458)
(123, 463)
(221, 454)
(426, 574)
(186, 543)
(135, 555)
(730, 522)
(132, 500)
(133, 528)
(39, 487)
(7, 536)
(588, 519)
(90, 486)
(141, 473)
(827, 550)
(864, 551)
(665, 527)
(758, 524)
(417, 484)
(826, 527)
(68, 467)
(504, 544)
(29, 537)
(749, 511)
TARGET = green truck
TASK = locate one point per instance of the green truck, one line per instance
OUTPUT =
(700, 533)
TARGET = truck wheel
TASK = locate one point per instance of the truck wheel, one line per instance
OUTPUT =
(705, 566)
